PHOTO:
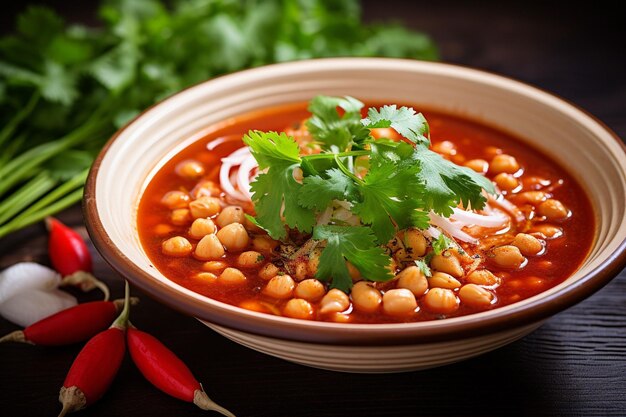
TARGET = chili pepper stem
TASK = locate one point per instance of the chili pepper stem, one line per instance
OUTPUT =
(86, 282)
(73, 399)
(202, 400)
(121, 322)
(16, 336)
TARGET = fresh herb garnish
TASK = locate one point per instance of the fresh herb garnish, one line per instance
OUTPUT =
(403, 183)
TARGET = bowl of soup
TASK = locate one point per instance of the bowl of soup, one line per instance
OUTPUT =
(363, 215)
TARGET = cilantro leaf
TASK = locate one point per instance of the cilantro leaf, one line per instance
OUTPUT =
(447, 184)
(441, 244)
(330, 128)
(275, 192)
(403, 120)
(391, 193)
(423, 266)
(357, 244)
(318, 193)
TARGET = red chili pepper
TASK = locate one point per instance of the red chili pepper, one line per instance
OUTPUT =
(72, 325)
(67, 249)
(166, 371)
(96, 365)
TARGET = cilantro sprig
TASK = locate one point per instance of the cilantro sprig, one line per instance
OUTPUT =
(403, 183)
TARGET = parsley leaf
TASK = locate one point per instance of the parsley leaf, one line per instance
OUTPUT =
(423, 266)
(275, 192)
(391, 193)
(448, 184)
(318, 193)
(330, 128)
(403, 120)
(357, 244)
(441, 244)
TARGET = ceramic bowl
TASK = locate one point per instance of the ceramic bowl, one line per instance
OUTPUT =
(592, 153)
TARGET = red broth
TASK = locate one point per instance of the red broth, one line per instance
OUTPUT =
(472, 140)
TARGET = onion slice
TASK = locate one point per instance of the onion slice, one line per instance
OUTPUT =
(452, 228)
(243, 165)
(469, 218)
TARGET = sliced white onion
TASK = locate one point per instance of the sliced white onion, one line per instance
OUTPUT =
(243, 164)
(245, 174)
(509, 207)
(221, 140)
(469, 218)
(325, 216)
(25, 277)
(453, 229)
(432, 232)
(31, 306)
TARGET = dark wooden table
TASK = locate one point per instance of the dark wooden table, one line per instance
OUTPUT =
(574, 365)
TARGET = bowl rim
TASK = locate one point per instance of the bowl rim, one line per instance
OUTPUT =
(373, 334)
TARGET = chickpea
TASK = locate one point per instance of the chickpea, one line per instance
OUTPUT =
(413, 279)
(180, 217)
(445, 148)
(209, 248)
(264, 243)
(201, 227)
(443, 280)
(175, 199)
(365, 297)
(234, 237)
(503, 163)
(314, 262)
(479, 165)
(532, 197)
(206, 277)
(355, 274)
(491, 151)
(298, 175)
(335, 301)
(506, 182)
(190, 169)
(268, 272)
(280, 287)
(300, 270)
(341, 318)
(214, 266)
(232, 276)
(229, 215)
(553, 210)
(176, 246)
(162, 229)
(474, 295)
(547, 231)
(205, 207)
(527, 244)
(415, 243)
(298, 308)
(399, 302)
(250, 259)
(483, 277)
(205, 188)
(508, 256)
(440, 300)
(448, 264)
(310, 289)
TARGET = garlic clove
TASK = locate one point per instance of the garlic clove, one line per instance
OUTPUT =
(31, 306)
(27, 276)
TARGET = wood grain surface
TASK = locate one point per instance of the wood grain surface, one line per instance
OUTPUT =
(574, 365)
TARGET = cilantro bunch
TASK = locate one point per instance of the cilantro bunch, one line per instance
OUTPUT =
(64, 89)
(404, 181)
